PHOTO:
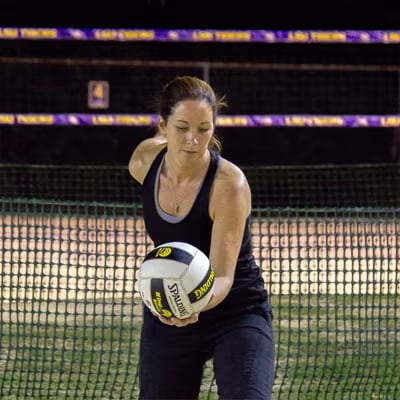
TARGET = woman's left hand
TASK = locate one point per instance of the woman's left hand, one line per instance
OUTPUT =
(179, 323)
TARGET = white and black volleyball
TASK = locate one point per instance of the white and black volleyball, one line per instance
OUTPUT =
(176, 279)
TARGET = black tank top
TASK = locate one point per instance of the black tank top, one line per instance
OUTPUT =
(248, 293)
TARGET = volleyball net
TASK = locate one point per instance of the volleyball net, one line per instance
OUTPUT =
(71, 311)
(72, 237)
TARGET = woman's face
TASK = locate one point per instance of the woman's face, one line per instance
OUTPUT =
(190, 128)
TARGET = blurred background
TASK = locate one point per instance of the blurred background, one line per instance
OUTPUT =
(52, 77)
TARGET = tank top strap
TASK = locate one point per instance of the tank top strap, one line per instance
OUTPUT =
(209, 177)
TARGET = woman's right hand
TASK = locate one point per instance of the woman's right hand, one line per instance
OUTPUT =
(179, 323)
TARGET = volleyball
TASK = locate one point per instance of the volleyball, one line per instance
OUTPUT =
(176, 279)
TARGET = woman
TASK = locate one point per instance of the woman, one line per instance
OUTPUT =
(192, 194)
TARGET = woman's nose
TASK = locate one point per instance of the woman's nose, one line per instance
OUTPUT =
(190, 137)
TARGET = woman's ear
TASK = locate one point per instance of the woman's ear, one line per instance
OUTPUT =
(161, 125)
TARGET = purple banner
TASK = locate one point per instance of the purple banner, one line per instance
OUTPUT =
(226, 121)
(202, 35)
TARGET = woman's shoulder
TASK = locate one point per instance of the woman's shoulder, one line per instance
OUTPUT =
(230, 170)
(231, 175)
(144, 155)
(231, 188)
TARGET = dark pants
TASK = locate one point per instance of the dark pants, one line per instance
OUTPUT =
(172, 359)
